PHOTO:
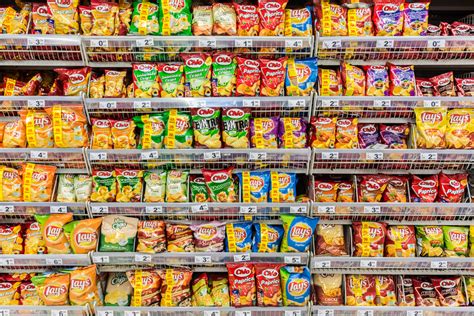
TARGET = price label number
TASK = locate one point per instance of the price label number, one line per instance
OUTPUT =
(36, 103)
(326, 209)
(145, 42)
(242, 257)
(436, 43)
(322, 264)
(365, 313)
(202, 259)
(36, 41)
(414, 313)
(34, 154)
(329, 155)
(98, 156)
(142, 258)
(298, 209)
(212, 155)
(374, 156)
(154, 210)
(384, 43)
(142, 104)
(439, 264)
(54, 261)
(107, 105)
(132, 313)
(199, 208)
(4, 312)
(299, 103)
(57, 312)
(431, 103)
(243, 43)
(382, 103)
(257, 156)
(105, 313)
(7, 209)
(209, 43)
(148, 155)
(292, 313)
(251, 103)
(329, 103)
(100, 259)
(325, 312)
(372, 209)
(99, 43)
(429, 156)
(58, 209)
(243, 313)
(292, 259)
(7, 261)
(294, 43)
(368, 264)
(249, 209)
(332, 44)
(211, 313)
(100, 209)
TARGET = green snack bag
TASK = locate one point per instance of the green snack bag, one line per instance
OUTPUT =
(118, 233)
(471, 242)
(220, 185)
(145, 80)
(177, 186)
(155, 186)
(171, 79)
(223, 74)
(197, 73)
(144, 18)
(430, 241)
(175, 17)
(206, 126)
(236, 127)
(104, 186)
(152, 130)
(199, 191)
(118, 291)
(456, 240)
(178, 132)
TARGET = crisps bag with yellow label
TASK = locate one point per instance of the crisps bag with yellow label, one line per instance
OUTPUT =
(460, 129)
(65, 16)
(83, 286)
(431, 126)
(144, 18)
(85, 17)
(69, 126)
(39, 128)
(96, 87)
(178, 132)
(299, 231)
(101, 134)
(52, 231)
(114, 83)
(53, 288)
(10, 185)
(104, 18)
(83, 235)
(301, 76)
(152, 130)
(175, 17)
(38, 181)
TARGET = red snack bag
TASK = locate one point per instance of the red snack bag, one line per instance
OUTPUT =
(372, 187)
(272, 17)
(400, 241)
(74, 81)
(360, 290)
(425, 189)
(424, 87)
(444, 85)
(385, 290)
(242, 284)
(325, 191)
(425, 295)
(459, 29)
(388, 17)
(247, 20)
(359, 22)
(405, 291)
(248, 77)
(465, 87)
(268, 284)
(452, 187)
(272, 76)
(396, 190)
(41, 19)
(449, 291)
(369, 239)
(332, 19)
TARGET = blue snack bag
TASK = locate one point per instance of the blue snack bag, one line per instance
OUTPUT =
(295, 283)
(298, 22)
(267, 237)
(283, 187)
(255, 185)
(299, 231)
(301, 76)
(239, 237)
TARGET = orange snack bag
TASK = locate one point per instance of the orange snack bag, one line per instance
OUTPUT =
(329, 82)
(323, 132)
(332, 19)
(28, 295)
(39, 128)
(346, 133)
(14, 134)
(83, 287)
(9, 293)
(38, 181)
(65, 16)
(325, 191)
(353, 79)
(101, 134)
(83, 235)
(11, 240)
(359, 22)
(53, 233)
(123, 134)
(460, 129)
(52, 288)
(10, 185)
(69, 126)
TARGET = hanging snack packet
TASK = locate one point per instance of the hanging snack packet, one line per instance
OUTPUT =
(198, 190)
(151, 236)
(225, 19)
(301, 76)
(325, 191)
(332, 19)
(400, 241)
(69, 126)
(247, 19)
(10, 185)
(353, 79)
(456, 240)
(465, 86)
(114, 83)
(359, 22)
(11, 241)
(267, 237)
(104, 16)
(97, 86)
(125, 18)
(75, 81)
(264, 132)
(104, 187)
(52, 288)
(145, 80)
(329, 82)
(123, 134)
(430, 241)
(449, 291)
(248, 77)
(175, 17)
(220, 185)
(402, 81)
(129, 185)
(298, 234)
(296, 285)
(369, 239)
(415, 17)
(202, 21)
(101, 134)
(38, 182)
(52, 231)
(267, 276)
(242, 288)
(255, 186)
(177, 186)
(328, 288)
(444, 85)
(144, 18)
(85, 19)
(345, 192)
(28, 295)
(197, 71)
(65, 16)
(396, 190)
(272, 17)
(178, 132)
(347, 133)
(155, 186)
(292, 132)
(223, 74)
(171, 79)
(209, 237)
(425, 295)
(39, 128)
(431, 127)
(118, 233)
(360, 290)
(83, 235)
(388, 17)
(179, 237)
(82, 187)
(152, 130)
(377, 83)
(298, 22)
(283, 187)
(206, 126)
(236, 127)
(238, 237)
(272, 76)
(330, 240)
(460, 129)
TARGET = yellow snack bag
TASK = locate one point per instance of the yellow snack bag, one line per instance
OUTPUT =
(38, 181)
(460, 129)
(10, 185)
(53, 289)
(39, 128)
(69, 126)
(431, 126)
(14, 134)
(83, 235)
(101, 134)
(65, 16)
(83, 287)
(123, 134)
(53, 233)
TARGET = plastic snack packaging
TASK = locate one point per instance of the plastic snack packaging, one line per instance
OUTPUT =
(34, 243)
(359, 22)
(155, 186)
(104, 17)
(295, 285)
(430, 241)
(14, 134)
(323, 132)
(369, 239)
(104, 187)
(198, 188)
(10, 293)
(394, 136)
(197, 73)
(236, 127)
(347, 133)
(175, 17)
(415, 17)
(255, 186)
(372, 187)
(41, 19)
(85, 17)
(377, 82)
(129, 185)
(65, 16)
(11, 184)
(202, 20)
(177, 186)
(118, 291)
(176, 288)
(248, 77)
(114, 83)
(449, 291)
(465, 86)
(298, 22)
(460, 129)
(242, 287)
(424, 87)
(267, 237)
(360, 290)
(345, 192)
(292, 132)
(82, 187)
(125, 18)
(28, 295)
(385, 290)
(152, 130)
(69, 126)
(272, 74)
(11, 240)
(201, 291)
(101, 134)
(66, 188)
(145, 80)
(118, 233)
(456, 240)
(123, 134)
(400, 241)
(405, 291)
(424, 190)
(388, 17)
(425, 295)
(264, 132)
(332, 19)
(151, 236)
(301, 76)
(179, 237)
(220, 290)
(396, 190)
(239, 237)
(223, 81)
(452, 187)
(146, 286)
(272, 17)
(209, 237)
(402, 80)
(298, 234)
(328, 288)
(225, 19)
(83, 286)
(144, 18)
(330, 240)
(39, 128)
(444, 85)
(247, 19)
(38, 182)
(75, 81)
(52, 288)
(83, 235)
(431, 127)
(369, 136)
(325, 191)
(206, 126)
(283, 187)
(97, 86)
(269, 291)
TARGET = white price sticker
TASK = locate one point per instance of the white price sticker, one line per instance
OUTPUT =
(199, 208)
(429, 156)
(439, 264)
(243, 313)
(54, 209)
(98, 156)
(145, 42)
(257, 156)
(414, 313)
(292, 313)
(100, 209)
(58, 312)
(382, 103)
(298, 210)
(436, 43)
(212, 155)
(7, 209)
(385, 43)
(105, 313)
(148, 155)
(242, 257)
(153, 209)
(210, 43)
(372, 209)
(243, 43)
(100, 259)
(211, 313)
(107, 105)
(249, 209)
(202, 259)
(34, 154)
(365, 313)
(142, 104)
(431, 103)
(368, 264)
(251, 103)
(294, 43)
(4, 312)
(329, 103)
(99, 43)
(132, 313)
(292, 259)
(329, 155)
(36, 103)
(36, 41)
(7, 261)
(54, 261)
(297, 103)
(326, 209)
(142, 258)
(322, 264)
(325, 312)
(332, 44)
(374, 156)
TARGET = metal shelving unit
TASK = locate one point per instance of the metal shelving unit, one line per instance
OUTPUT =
(41, 262)
(26, 209)
(390, 311)
(18, 310)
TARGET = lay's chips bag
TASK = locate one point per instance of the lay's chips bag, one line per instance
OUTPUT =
(255, 186)
(298, 22)
(83, 235)
(301, 76)
(298, 232)
(239, 237)
(295, 283)
(283, 187)
(267, 237)
(52, 230)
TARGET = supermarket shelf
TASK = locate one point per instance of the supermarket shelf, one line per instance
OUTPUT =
(38, 263)
(9, 310)
(291, 160)
(9, 106)
(390, 311)
(22, 209)
(372, 265)
(325, 160)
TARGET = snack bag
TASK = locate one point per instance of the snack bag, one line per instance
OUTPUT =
(145, 80)
(14, 134)
(345, 192)
(123, 134)
(372, 187)
(206, 126)
(402, 79)
(223, 74)
(155, 186)
(118, 233)
(255, 186)
(301, 76)
(449, 291)
(292, 132)
(104, 16)
(272, 17)
(97, 86)
(11, 241)
(75, 81)
(144, 18)
(330, 240)
(236, 127)
(177, 186)
(83, 235)
(359, 22)
(460, 129)
(272, 76)
(197, 73)
(242, 284)
(415, 17)
(430, 241)
(388, 17)
(202, 21)
(10, 185)
(66, 188)
(239, 237)
(283, 187)
(34, 243)
(247, 19)
(405, 291)
(104, 188)
(39, 128)
(52, 231)
(101, 134)
(431, 127)
(360, 290)
(347, 133)
(69, 126)
(152, 130)
(298, 22)
(179, 237)
(394, 136)
(28, 295)
(225, 19)
(424, 87)
(267, 276)
(129, 185)
(328, 289)
(114, 83)
(444, 85)
(332, 19)
(400, 241)
(385, 290)
(83, 286)
(396, 190)
(264, 132)
(465, 86)
(175, 17)
(198, 190)
(171, 80)
(368, 136)
(425, 295)
(209, 237)
(52, 288)
(267, 237)
(151, 236)
(377, 82)
(325, 191)
(146, 286)
(38, 182)
(296, 285)
(247, 77)
(65, 16)
(41, 19)
(201, 291)
(176, 290)
(424, 190)
(9, 293)
(298, 234)
(220, 290)
(369, 239)
(323, 132)
(456, 239)
(452, 187)
(85, 17)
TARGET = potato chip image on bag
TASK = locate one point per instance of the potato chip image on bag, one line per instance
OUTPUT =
(83, 286)
(145, 80)
(296, 285)
(328, 289)
(272, 74)
(282, 187)
(223, 81)
(430, 241)
(347, 133)
(104, 17)
(238, 237)
(101, 134)
(301, 76)
(415, 17)
(236, 127)
(155, 186)
(104, 186)
(176, 288)
(359, 22)
(298, 22)
(425, 295)
(52, 231)
(65, 16)
(34, 243)
(129, 185)
(377, 82)
(114, 83)
(28, 295)
(431, 127)
(52, 288)
(267, 237)
(360, 290)
(175, 17)
(247, 19)
(385, 290)
(369, 239)
(83, 235)
(123, 134)
(38, 182)
(242, 287)
(225, 19)
(323, 132)
(118, 291)
(202, 21)
(178, 132)
(209, 237)
(11, 184)
(177, 186)
(197, 73)
(456, 239)
(449, 291)
(330, 240)
(179, 237)
(292, 132)
(332, 19)
(66, 188)
(254, 185)
(150, 284)
(267, 276)
(144, 18)
(206, 126)
(11, 241)
(198, 190)
(298, 234)
(39, 128)
(400, 241)
(329, 82)
(353, 79)
(118, 233)
(272, 17)
(388, 17)
(402, 80)
(151, 236)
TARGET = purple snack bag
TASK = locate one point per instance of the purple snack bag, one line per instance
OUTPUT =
(368, 136)
(378, 84)
(209, 237)
(415, 16)
(266, 134)
(292, 132)
(394, 136)
(402, 80)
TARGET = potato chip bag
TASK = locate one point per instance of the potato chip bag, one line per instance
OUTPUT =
(385, 290)
(248, 77)
(202, 21)
(452, 187)
(329, 82)
(129, 185)
(328, 288)
(145, 80)
(118, 291)
(223, 74)
(83, 286)
(415, 17)
(267, 237)
(38, 182)
(201, 291)
(146, 288)
(75, 81)
(298, 234)
(179, 131)
(456, 240)
(242, 287)
(353, 79)
(206, 126)
(347, 133)
(10, 185)
(82, 187)
(377, 82)
(282, 187)
(155, 186)
(28, 295)
(465, 86)
(9, 293)
(238, 237)
(151, 236)
(125, 16)
(400, 241)
(123, 134)
(424, 189)
(269, 291)
(83, 235)
(369, 136)
(34, 243)
(114, 83)
(176, 288)
(264, 132)
(325, 191)
(66, 188)
(177, 186)
(372, 187)
(104, 187)
(359, 22)
(296, 285)
(101, 134)
(425, 295)
(301, 76)
(332, 19)
(272, 74)
(52, 288)
(171, 80)
(247, 19)
(430, 241)
(431, 124)
(298, 22)
(345, 192)
(220, 185)
(175, 17)
(41, 19)
(402, 80)
(272, 17)
(85, 17)
(388, 17)
(11, 241)
(14, 134)
(236, 127)
(209, 237)
(254, 185)
(360, 290)
(52, 231)
(225, 19)
(65, 16)
(292, 132)
(152, 130)
(197, 73)
(118, 233)
(179, 238)
(449, 291)
(69, 126)
(97, 86)
(444, 85)
(144, 18)
(104, 17)
(369, 239)
(198, 190)
(39, 128)
(330, 240)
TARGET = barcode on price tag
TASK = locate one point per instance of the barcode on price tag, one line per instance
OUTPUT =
(100, 209)
(431, 103)
(34, 154)
(294, 43)
(58, 312)
(368, 264)
(329, 103)
(439, 264)
(58, 209)
(374, 156)
(329, 155)
(251, 103)
(257, 156)
(211, 43)
(292, 313)
(54, 261)
(199, 208)
(212, 155)
(382, 103)
(142, 258)
(7, 209)
(299, 103)
(142, 104)
(436, 43)
(332, 44)
(322, 264)
(153, 209)
(7, 261)
(292, 259)
(384, 44)
(298, 210)
(202, 259)
(326, 209)
(98, 156)
(242, 257)
(429, 156)
(249, 209)
(35, 41)
(107, 105)
(145, 42)
(325, 312)
(243, 43)
(147, 155)
(36, 103)
(105, 313)
(99, 43)
(100, 259)
(375, 209)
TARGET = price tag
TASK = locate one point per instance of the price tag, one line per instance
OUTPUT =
(298, 210)
(251, 103)
(242, 257)
(142, 258)
(257, 156)
(329, 103)
(365, 313)
(36, 103)
(199, 208)
(382, 103)
(439, 264)
(368, 264)
(374, 156)
(153, 209)
(7, 261)
(36, 41)
(142, 104)
(431, 103)
(147, 155)
(436, 43)
(329, 155)
(250, 209)
(100, 259)
(105, 313)
(414, 313)
(34, 154)
(58, 312)
(243, 313)
(372, 209)
(7, 209)
(212, 155)
(292, 313)
(298, 103)
(332, 44)
(322, 264)
(243, 43)
(294, 43)
(326, 209)
(210, 43)
(54, 261)
(384, 43)
(107, 105)
(4, 312)
(202, 259)
(211, 313)
(325, 312)
(99, 43)
(58, 209)
(292, 259)
(98, 156)
(429, 156)
(131, 313)
(100, 209)
(145, 42)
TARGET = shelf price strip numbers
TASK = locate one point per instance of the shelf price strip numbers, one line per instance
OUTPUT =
(243, 313)
(414, 313)
(325, 312)
(36, 103)
(242, 257)
(105, 313)
(211, 313)
(132, 313)
(439, 264)
(7, 209)
(57, 312)
(292, 313)
(365, 313)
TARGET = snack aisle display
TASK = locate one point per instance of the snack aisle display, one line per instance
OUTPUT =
(267, 158)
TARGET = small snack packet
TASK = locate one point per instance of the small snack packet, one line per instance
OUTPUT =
(377, 83)
(323, 132)
(444, 85)
(299, 231)
(267, 237)
(247, 19)
(177, 186)
(38, 182)
(104, 187)
(101, 134)
(330, 240)
(400, 241)
(238, 237)
(129, 185)
(372, 187)
(369, 239)
(295, 295)
(388, 17)
(145, 80)
(272, 17)
(255, 186)
(283, 187)
(206, 126)
(11, 241)
(329, 82)
(425, 295)
(118, 291)
(118, 233)
(52, 288)
(242, 287)
(369, 136)
(248, 77)
(415, 17)
(465, 86)
(223, 74)
(430, 241)
(14, 134)
(65, 17)
(332, 19)
(236, 127)
(209, 237)
(267, 276)
(402, 79)
(264, 132)
(83, 287)
(202, 20)
(460, 129)
(452, 187)
(39, 128)
(151, 236)
(155, 186)
(220, 185)
(144, 18)
(347, 133)
(301, 76)
(197, 74)
(179, 131)
(359, 22)
(449, 291)
(292, 132)
(123, 134)
(298, 22)
(11, 185)
(225, 19)
(69, 126)
(385, 290)
(97, 86)
(175, 17)
(114, 83)
(171, 80)
(325, 191)
(83, 235)
(198, 190)
(272, 76)
(424, 190)
(104, 16)
(66, 189)
(179, 237)
(456, 240)
(75, 81)
(424, 87)
(152, 130)
(52, 231)
(431, 127)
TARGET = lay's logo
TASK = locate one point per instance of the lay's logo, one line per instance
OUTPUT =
(256, 183)
(298, 286)
(302, 72)
(300, 232)
(284, 180)
(240, 233)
